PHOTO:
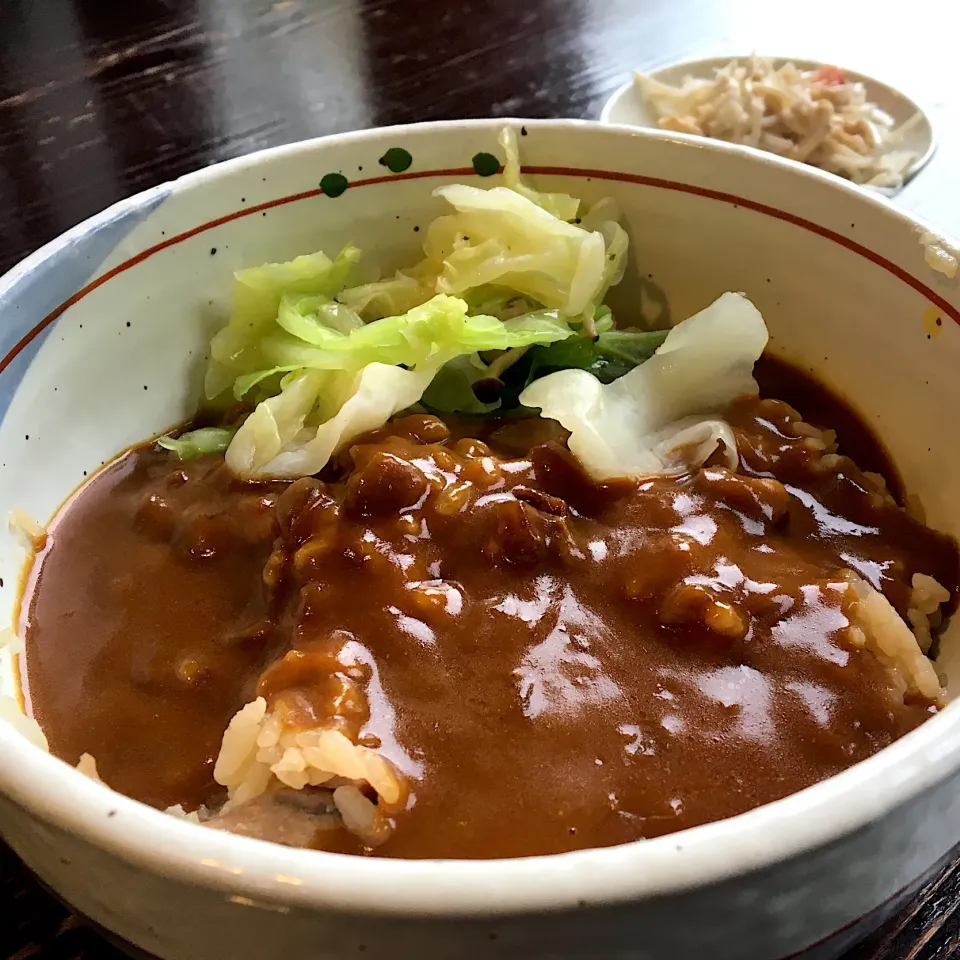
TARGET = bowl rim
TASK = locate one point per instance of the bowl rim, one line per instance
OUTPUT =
(52, 791)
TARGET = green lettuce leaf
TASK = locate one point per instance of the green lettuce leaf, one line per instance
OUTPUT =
(452, 389)
(439, 326)
(608, 357)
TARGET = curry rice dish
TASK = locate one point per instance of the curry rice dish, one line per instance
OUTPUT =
(509, 580)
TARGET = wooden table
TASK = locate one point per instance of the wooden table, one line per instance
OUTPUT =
(102, 98)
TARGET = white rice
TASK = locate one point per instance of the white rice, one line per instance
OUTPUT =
(879, 628)
(924, 612)
(88, 767)
(28, 727)
(939, 255)
(10, 641)
(258, 753)
(178, 811)
(883, 630)
(28, 531)
(360, 816)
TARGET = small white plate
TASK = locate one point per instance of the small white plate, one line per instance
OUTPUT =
(626, 106)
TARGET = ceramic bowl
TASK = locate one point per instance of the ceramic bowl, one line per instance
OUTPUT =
(103, 335)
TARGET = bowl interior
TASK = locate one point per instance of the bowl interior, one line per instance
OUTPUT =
(103, 338)
(840, 279)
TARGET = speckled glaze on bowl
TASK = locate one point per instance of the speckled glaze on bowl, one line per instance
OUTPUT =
(102, 339)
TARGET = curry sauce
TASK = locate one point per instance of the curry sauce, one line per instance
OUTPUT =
(550, 663)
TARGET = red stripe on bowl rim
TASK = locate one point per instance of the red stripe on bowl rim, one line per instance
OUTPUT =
(578, 172)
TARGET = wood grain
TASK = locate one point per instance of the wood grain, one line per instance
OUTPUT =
(102, 98)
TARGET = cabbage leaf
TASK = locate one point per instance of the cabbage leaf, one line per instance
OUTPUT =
(499, 236)
(257, 293)
(509, 289)
(356, 381)
(524, 242)
(198, 443)
(561, 205)
(661, 417)
(387, 298)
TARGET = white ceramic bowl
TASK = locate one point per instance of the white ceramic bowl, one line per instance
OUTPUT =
(103, 333)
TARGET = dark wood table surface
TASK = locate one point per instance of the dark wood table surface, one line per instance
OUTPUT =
(102, 98)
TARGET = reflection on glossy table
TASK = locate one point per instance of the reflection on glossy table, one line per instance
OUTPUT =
(102, 98)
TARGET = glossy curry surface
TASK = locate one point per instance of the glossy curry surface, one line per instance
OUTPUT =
(552, 664)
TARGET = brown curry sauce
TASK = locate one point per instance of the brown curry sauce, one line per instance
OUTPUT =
(553, 664)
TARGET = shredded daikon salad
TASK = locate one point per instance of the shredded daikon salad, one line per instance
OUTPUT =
(813, 116)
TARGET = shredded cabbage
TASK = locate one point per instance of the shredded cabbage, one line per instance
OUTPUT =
(387, 298)
(499, 236)
(499, 302)
(257, 292)
(603, 218)
(661, 417)
(561, 205)
(514, 238)
(198, 443)
(504, 313)
(354, 382)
